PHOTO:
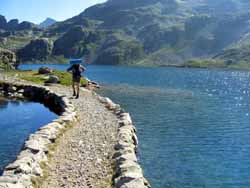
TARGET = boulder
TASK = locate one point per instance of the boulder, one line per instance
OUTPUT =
(53, 80)
(45, 70)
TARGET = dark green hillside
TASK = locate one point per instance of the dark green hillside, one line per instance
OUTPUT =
(117, 50)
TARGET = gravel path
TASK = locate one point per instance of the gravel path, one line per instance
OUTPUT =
(83, 156)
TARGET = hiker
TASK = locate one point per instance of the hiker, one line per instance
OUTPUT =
(76, 70)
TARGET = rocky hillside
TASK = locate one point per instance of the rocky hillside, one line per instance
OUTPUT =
(151, 32)
(15, 35)
(14, 25)
(7, 59)
(37, 49)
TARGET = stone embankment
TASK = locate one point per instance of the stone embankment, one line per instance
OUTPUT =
(128, 173)
(102, 128)
(28, 165)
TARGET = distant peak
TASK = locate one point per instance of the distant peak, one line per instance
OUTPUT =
(47, 22)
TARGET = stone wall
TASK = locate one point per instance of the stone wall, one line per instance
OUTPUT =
(28, 165)
(128, 173)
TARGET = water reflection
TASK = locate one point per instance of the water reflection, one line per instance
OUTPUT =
(3, 103)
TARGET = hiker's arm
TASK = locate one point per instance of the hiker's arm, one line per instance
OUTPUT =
(70, 69)
(83, 68)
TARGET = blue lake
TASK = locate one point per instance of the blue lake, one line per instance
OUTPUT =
(17, 121)
(193, 125)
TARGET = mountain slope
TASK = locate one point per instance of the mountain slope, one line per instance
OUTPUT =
(158, 32)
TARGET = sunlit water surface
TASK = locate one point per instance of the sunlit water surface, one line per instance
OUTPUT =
(193, 125)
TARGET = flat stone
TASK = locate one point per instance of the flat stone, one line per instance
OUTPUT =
(135, 183)
(8, 179)
(36, 145)
(124, 157)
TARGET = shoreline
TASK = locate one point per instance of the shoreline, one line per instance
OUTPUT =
(122, 159)
(158, 66)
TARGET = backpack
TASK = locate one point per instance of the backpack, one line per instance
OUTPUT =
(77, 70)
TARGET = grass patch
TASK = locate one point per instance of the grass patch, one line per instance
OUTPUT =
(33, 76)
(66, 78)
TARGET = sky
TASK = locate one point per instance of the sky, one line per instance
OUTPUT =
(37, 11)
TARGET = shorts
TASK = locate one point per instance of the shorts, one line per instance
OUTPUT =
(76, 79)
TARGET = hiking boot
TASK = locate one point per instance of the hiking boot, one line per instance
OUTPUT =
(77, 96)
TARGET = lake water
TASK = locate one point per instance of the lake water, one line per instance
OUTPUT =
(193, 125)
(17, 121)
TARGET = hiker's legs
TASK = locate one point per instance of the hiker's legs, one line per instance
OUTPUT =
(77, 89)
(73, 87)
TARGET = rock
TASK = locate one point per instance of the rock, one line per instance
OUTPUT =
(45, 70)
(25, 26)
(128, 166)
(126, 157)
(13, 24)
(7, 59)
(5, 34)
(38, 49)
(22, 165)
(25, 181)
(53, 80)
(125, 119)
(10, 185)
(3, 22)
(135, 183)
(54, 125)
(36, 145)
(68, 118)
(37, 171)
(68, 44)
(3, 40)
(8, 179)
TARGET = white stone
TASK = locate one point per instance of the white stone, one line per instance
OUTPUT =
(135, 183)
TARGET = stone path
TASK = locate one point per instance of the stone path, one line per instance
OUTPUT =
(83, 155)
